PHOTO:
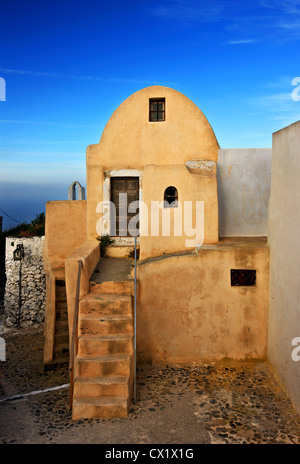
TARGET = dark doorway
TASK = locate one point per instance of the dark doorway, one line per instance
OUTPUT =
(124, 190)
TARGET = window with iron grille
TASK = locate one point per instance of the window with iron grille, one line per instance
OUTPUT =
(243, 277)
(171, 197)
(157, 110)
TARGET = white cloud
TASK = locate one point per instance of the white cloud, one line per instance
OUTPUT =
(279, 107)
(122, 80)
(51, 123)
(270, 101)
(287, 6)
(41, 154)
(241, 41)
(186, 10)
(268, 20)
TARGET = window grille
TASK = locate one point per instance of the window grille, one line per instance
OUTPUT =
(243, 277)
(157, 110)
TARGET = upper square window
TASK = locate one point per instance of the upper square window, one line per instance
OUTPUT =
(157, 109)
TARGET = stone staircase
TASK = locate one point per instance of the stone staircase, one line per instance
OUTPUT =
(103, 376)
(61, 340)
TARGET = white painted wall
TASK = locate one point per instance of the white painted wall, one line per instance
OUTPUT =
(244, 189)
(284, 242)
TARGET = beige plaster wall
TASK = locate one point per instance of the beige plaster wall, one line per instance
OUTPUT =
(130, 141)
(197, 186)
(202, 317)
(244, 178)
(65, 230)
(89, 254)
(284, 228)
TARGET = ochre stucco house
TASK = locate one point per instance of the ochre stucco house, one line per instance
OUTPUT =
(202, 287)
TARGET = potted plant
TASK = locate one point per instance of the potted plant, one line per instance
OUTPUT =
(105, 241)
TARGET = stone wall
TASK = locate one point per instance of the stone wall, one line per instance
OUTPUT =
(2, 271)
(33, 286)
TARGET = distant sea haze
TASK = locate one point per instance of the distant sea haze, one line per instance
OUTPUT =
(24, 201)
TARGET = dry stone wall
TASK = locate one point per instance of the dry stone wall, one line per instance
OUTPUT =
(33, 285)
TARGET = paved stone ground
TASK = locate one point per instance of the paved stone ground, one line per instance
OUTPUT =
(225, 402)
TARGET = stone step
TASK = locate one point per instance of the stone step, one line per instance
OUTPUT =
(105, 304)
(98, 408)
(61, 306)
(99, 366)
(61, 297)
(115, 287)
(61, 315)
(59, 362)
(106, 324)
(101, 386)
(105, 344)
(61, 350)
(61, 326)
(62, 337)
(60, 292)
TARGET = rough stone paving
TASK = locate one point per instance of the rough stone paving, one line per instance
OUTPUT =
(224, 402)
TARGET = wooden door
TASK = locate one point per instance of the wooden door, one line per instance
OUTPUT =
(130, 187)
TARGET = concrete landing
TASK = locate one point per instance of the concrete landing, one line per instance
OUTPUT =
(113, 269)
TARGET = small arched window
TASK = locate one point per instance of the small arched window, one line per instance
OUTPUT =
(171, 197)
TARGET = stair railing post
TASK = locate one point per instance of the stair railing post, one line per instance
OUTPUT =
(73, 350)
(134, 373)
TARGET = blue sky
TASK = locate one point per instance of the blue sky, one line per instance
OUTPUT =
(68, 65)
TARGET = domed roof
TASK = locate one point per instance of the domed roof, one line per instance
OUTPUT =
(131, 140)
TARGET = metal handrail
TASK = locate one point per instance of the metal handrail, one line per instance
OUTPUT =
(135, 281)
(74, 338)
